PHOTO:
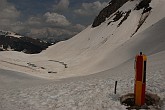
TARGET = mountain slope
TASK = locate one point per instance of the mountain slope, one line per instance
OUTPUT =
(96, 45)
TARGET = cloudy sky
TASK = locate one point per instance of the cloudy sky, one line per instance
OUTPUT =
(43, 18)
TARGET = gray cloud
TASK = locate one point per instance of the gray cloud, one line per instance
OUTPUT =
(89, 9)
(79, 27)
(56, 19)
(48, 32)
(51, 24)
(34, 21)
(8, 15)
(62, 5)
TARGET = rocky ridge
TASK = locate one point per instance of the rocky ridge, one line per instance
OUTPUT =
(112, 8)
(10, 41)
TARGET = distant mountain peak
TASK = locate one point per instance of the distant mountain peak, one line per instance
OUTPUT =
(10, 33)
(11, 41)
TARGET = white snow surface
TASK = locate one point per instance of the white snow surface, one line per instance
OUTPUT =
(92, 92)
(99, 56)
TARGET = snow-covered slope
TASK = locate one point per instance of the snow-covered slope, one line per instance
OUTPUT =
(118, 39)
(108, 45)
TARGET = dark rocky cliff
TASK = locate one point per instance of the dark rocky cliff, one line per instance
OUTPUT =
(113, 6)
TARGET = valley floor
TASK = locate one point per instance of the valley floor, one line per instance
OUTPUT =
(92, 92)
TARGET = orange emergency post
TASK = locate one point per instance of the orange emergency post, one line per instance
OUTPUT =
(140, 79)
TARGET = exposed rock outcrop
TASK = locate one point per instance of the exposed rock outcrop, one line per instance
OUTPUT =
(145, 5)
(113, 6)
